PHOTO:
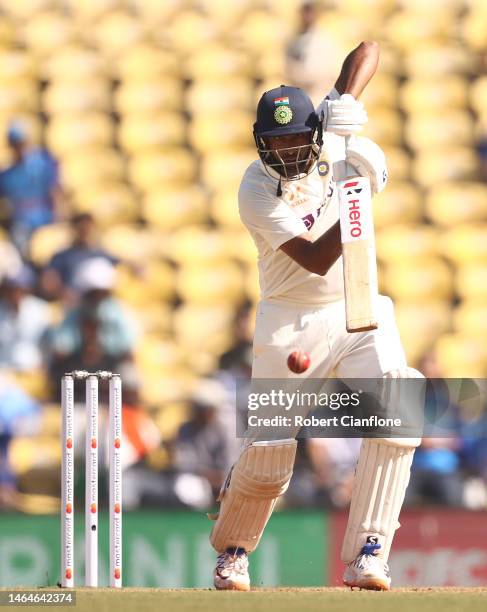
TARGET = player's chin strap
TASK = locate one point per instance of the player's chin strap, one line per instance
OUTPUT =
(279, 188)
(381, 478)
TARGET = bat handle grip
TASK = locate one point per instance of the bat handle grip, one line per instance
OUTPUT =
(341, 169)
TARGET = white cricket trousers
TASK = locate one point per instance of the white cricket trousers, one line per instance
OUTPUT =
(319, 329)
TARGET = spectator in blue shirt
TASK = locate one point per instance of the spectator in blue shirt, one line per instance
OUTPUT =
(97, 333)
(58, 279)
(30, 186)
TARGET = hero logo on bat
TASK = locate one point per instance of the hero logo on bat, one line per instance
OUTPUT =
(354, 209)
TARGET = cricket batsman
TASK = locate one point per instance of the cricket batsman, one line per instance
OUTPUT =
(292, 215)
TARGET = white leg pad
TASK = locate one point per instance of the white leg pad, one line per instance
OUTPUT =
(381, 478)
(250, 492)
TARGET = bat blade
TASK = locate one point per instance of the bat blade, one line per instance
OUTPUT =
(358, 253)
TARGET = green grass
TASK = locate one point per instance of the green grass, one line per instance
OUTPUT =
(279, 600)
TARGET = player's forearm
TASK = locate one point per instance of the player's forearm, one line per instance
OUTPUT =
(317, 256)
(358, 68)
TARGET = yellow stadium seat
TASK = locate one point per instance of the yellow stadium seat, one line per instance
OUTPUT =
(114, 32)
(73, 62)
(270, 66)
(155, 354)
(23, 9)
(153, 283)
(141, 131)
(406, 28)
(430, 319)
(50, 421)
(383, 93)
(471, 282)
(465, 243)
(434, 60)
(146, 61)
(8, 33)
(452, 203)
(156, 12)
(108, 202)
(217, 61)
(158, 167)
(18, 96)
(217, 131)
(88, 11)
(252, 287)
(385, 126)
(400, 242)
(400, 202)
(224, 14)
(211, 284)
(172, 206)
(224, 169)
(433, 165)
(45, 32)
(473, 28)
(155, 318)
(219, 95)
(27, 453)
(193, 244)
(147, 96)
(130, 242)
(76, 96)
(84, 167)
(33, 382)
(446, 92)
(240, 245)
(224, 208)
(257, 32)
(48, 240)
(65, 133)
(169, 419)
(420, 6)
(380, 7)
(461, 355)
(204, 328)
(439, 129)
(417, 281)
(398, 163)
(16, 65)
(189, 31)
(469, 318)
(478, 95)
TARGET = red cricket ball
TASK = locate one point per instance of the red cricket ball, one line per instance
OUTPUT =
(298, 361)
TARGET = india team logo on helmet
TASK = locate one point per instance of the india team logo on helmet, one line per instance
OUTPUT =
(283, 113)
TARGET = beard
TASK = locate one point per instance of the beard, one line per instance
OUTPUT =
(290, 163)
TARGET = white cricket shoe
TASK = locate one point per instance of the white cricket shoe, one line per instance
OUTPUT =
(368, 571)
(232, 571)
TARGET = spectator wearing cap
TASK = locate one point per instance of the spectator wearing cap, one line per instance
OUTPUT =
(97, 333)
(24, 318)
(30, 186)
(58, 279)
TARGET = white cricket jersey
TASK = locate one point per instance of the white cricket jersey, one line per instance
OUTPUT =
(309, 204)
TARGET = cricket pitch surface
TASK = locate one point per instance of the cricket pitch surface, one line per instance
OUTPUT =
(285, 599)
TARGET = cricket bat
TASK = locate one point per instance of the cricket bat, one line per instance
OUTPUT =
(355, 203)
(358, 246)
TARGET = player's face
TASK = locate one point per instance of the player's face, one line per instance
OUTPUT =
(289, 155)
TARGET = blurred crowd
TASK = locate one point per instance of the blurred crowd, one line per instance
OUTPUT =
(69, 301)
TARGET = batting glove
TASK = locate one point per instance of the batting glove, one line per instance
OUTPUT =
(345, 116)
